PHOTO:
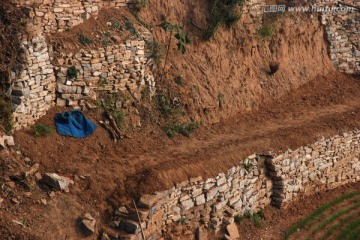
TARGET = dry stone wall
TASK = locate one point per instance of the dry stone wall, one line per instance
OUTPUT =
(33, 90)
(55, 15)
(111, 69)
(255, 183)
(325, 164)
(343, 31)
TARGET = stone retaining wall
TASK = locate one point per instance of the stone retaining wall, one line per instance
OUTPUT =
(256, 182)
(113, 68)
(33, 90)
(343, 31)
(55, 16)
(325, 164)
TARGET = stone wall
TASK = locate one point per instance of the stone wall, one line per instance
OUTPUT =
(55, 16)
(114, 68)
(33, 90)
(325, 164)
(255, 183)
(343, 31)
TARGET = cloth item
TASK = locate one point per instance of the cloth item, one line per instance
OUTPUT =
(74, 124)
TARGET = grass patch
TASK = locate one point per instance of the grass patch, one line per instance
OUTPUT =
(172, 129)
(255, 217)
(72, 73)
(317, 212)
(267, 29)
(41, 130)
(119, 118)
(225, 12)
(85, 40)
(238, 218)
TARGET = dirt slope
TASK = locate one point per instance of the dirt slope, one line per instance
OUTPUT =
(236, 61)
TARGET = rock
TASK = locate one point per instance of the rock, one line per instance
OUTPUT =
(56, 181)
(104, 236)
(9, 140)
(87, 224)
(148, 201)
(200, 234)
(233, 231)
(2, 143)
(130, 226)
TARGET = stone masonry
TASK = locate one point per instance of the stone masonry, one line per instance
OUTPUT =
(256, 182)
(33, 90)
(55, 16)
(110, 69)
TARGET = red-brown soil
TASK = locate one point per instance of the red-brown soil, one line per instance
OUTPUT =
(150, 161)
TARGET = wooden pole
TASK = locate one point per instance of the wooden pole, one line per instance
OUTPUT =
(137, 213)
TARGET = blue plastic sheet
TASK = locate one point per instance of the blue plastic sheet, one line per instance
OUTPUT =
(74, 124)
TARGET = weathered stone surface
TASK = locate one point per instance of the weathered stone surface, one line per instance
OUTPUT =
(233, 231)
(56, 181)
(130, 226)
(87, 224)
(148, 201)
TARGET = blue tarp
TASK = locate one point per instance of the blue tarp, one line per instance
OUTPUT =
(74, 124)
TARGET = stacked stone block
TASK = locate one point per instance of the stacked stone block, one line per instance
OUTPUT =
(33, 90)
(111, 69)
(325, 164)
(55, 16)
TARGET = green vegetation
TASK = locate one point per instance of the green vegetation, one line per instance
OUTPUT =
(179, 80)
(41, 130)
(85, 40)
(129, 26)
(172, 129)
(166, 106)
(119, 118)
(182, 38)
(223, 13)
(110, 104)
(238, 218)
(310, 220)
(248, 166)
(255, 217)
(267, 29)
(157, 51)
(72, 72)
